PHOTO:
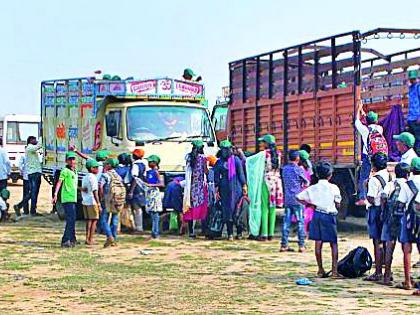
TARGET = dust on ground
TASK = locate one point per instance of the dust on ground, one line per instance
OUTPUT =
(174, 275)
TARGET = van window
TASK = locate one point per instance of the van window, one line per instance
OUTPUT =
(18, 132)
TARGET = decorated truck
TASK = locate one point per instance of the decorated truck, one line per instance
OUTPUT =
(308, 93)
(162, 116)
(15, 130)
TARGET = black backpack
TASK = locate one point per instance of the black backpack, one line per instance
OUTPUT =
(413, 215)
(215, 220)
(240, 215)
(357, 262)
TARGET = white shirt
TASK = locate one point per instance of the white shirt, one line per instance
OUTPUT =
(364, 132)
(5, 166)
(3, 206)
(89, 182)
(322, 195)
(135, 169)
(408, 156)
(406, 194)
(375, 189)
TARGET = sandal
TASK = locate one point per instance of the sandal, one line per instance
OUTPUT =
(416, 293)
(323, 275)
(286, 249)
(416, 265)
(374, 277)
(403, 286)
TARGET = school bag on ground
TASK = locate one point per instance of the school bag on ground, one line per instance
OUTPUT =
(117, 193)
(376, 143)
(240, 216)
(356, 263)
(215, 220)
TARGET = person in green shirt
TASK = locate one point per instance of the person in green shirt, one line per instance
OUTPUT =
(67, 182)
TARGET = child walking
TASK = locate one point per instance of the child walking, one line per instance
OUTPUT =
(325, 198)
(113, 191)
(67, 182)
(153, 199)
(376, 187)
(90, 199)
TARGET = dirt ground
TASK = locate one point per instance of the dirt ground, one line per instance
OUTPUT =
(174, 275)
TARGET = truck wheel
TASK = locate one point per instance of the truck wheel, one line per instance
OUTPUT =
(60, 211)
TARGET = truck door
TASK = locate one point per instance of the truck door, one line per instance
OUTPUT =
(219, 121)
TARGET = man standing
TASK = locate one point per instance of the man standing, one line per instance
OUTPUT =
(405, 143)
(4, 166)
(413, 116)
(34, 170)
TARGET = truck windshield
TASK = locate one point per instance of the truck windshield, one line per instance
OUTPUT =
(18, 132)
(148, 123)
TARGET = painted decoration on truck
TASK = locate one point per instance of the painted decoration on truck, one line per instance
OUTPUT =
(61, 128)
(142, 87)
(49, 127)
(87, 132)
(73, 124)
(187, 88)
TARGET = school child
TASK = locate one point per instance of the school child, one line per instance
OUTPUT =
(136, 195)
(409, 235)
(153, 199)
(4, 206)
(67, 182)
(112, 190)
(376, 187)
(90, 199)
(325, 198)
(391, 216)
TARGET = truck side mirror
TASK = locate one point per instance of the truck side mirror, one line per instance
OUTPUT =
(113, 124)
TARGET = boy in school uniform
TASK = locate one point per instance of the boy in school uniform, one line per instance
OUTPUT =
(408, 196)
(325, 198)
(391, 216)
(376, 187)
(90, 199)
(68, 184)
(153, 199)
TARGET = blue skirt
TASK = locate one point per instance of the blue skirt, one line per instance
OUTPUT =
(323, 227)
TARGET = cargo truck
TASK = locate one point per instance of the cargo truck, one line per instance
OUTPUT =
(308, 93)
(162, 116)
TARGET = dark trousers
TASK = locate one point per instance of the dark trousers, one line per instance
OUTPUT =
(414, 128)
(26, 196)
(70, 229)
(3, 184)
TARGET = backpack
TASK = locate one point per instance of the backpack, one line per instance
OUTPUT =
(240, 215)
(356, 263)
(392, 202)
(215, 220)
(117, 193)
(413, 216)
(376, 143)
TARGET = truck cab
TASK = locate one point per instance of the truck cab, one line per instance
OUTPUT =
(14, 130)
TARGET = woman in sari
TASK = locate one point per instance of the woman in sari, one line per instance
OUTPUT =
(195, 191)
(230, 184)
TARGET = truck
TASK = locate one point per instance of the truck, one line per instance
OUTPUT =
(162, 116)
(14, 130)
(219, 114)
(307, 93)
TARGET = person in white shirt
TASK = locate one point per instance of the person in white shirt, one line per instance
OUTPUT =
(376, 187)
(5, 167)
(90, 199)
(4, 206)
(405, 144)
(27, 195)
(409, 191)
(136, 195)
(363, 130)
(325, 198)
(391, 216)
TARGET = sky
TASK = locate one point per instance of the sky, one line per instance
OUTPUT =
(62, 39)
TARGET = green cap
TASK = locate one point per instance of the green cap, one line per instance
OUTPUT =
(415, 164)
(116, 78)
(153, 158)
(90, 163)
(189, 73)
(372, 116)
(413, 74)
(106, 77)
(270, 139)
(407, 138)
(198, 143)
(303, 155)
(5, 194)
(70, 155)
(225, 144)
(112, 162)
(102, 155)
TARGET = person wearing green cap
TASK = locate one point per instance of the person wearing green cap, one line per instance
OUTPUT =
(413, 115)
(189, 75)
(308, 212)
(366, 133)
(67, 182)
(230, 185)
(101, 156)
(4, 195)
(195, 200)
(90, 199)
(405, 143)
(154, 205)
(408, 194)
